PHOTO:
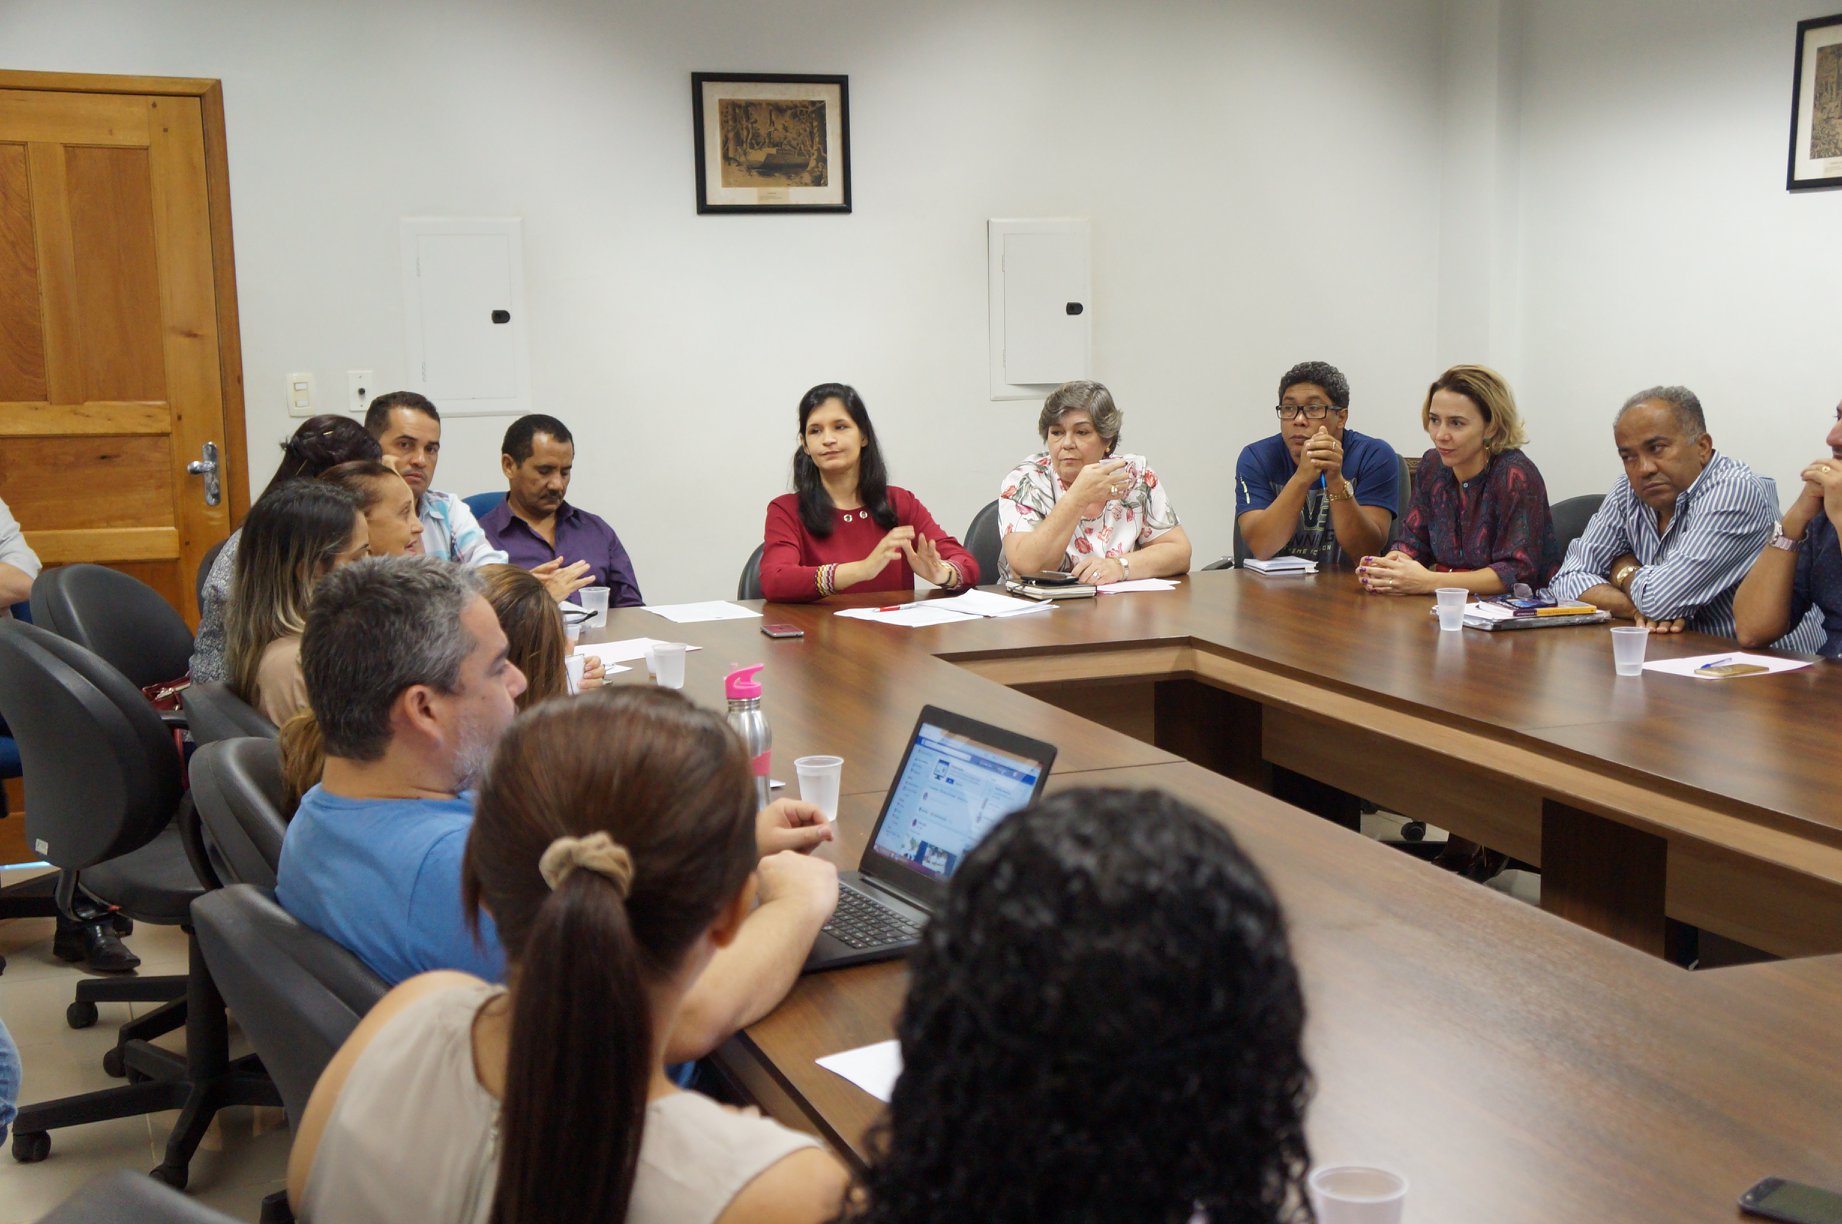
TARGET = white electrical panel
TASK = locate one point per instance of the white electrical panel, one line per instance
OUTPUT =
(1041, 288)
(463, 300)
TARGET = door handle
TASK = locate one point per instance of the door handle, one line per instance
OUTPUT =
(208, 467)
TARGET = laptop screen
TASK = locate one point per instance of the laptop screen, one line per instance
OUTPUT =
(952, 790)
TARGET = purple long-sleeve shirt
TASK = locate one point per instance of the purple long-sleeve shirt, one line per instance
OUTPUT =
(580, 536)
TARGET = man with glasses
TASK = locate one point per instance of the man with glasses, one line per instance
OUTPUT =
(1317, 489)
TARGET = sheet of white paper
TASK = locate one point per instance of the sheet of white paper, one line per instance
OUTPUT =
(1138, 584)
(625, 650)
(1687, 667)
(986, 603)
(913, 616)
(708, 610)
(873, 1068)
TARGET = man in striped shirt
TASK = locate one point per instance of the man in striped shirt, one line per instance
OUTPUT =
(1674, 538)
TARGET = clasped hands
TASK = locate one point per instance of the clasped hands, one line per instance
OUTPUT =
(1322, 455)
(1395, 574)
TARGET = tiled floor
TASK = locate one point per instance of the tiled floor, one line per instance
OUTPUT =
(244, 1157)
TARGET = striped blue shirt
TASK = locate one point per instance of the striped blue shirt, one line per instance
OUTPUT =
(450, 531)
(1691, 570)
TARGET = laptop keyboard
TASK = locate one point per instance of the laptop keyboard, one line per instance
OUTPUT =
(864, 922)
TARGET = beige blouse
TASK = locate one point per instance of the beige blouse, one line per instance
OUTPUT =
(281, 689)
(413, 1135)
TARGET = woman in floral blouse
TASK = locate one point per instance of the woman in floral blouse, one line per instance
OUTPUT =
(1479, 517)
(1081, 508)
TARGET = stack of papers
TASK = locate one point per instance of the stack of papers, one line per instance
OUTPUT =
(1484, 615)
(1139, 584)
(624, 651)
(1280, 565)
(709, 610)
(973, 605)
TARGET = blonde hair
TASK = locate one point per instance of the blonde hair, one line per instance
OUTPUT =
(533, 628)
(303, 759)
(289, 541)
(1487, 389)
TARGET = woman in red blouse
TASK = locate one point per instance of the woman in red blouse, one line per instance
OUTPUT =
(845, 527)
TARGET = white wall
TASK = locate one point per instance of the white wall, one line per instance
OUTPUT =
(1658, 242)
(1263, 179)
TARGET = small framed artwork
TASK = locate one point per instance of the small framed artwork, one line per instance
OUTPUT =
(772, 143)
(1816, 106)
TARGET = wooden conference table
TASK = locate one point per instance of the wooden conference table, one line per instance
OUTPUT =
(1516, 1066)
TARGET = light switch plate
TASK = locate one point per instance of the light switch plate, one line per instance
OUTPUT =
(301, 398)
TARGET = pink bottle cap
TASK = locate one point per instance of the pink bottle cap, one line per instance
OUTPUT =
(741, 685)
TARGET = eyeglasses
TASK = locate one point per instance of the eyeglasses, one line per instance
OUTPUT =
(1311, 412)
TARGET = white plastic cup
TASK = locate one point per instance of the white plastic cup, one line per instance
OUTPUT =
(668, 664)
(819, 780)
(1357, 1194)
(574, 663)
(595, 600)
(1628, 649)
(572, 632)
(1451, 608)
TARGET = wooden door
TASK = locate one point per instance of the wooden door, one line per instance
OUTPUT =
(119, 357)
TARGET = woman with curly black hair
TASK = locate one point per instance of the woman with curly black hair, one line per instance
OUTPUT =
(1103, 1024)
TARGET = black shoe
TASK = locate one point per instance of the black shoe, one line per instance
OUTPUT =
(94, 943)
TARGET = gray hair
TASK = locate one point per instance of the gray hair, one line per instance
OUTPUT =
(1082, 396)
(376, 628)
(1681, 401)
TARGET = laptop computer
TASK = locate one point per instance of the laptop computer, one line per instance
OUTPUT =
(958, 778)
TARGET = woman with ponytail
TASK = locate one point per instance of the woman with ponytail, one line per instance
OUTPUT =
(614, 847)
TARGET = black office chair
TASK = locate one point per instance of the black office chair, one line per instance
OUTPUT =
(297, 994)
(122, 1197)
(102, 788)
(984, 542)
(122, 619)
(204, 568)
(1572, 515)
(483, 504)
(237, 786)
(749, 586)
(215, 713)
(1224, 563)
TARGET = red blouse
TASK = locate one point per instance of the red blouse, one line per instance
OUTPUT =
(792, 557)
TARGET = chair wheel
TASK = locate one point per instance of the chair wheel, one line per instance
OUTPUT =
(80, 1015)
(114, 1064)
(173, 1175)
(1413, 831)
(30, 1147)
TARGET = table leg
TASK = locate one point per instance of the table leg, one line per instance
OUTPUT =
(1605, 876)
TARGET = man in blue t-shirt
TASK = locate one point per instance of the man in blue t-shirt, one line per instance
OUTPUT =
(408, 675)
(1316, 489)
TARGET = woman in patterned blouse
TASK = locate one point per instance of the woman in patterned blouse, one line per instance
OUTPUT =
(1479, 517)
(1081, 508)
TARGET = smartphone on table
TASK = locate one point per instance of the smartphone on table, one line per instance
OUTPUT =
(783, 631)
(1775, 1198)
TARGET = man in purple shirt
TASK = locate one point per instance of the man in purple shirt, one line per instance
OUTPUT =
(534, 523)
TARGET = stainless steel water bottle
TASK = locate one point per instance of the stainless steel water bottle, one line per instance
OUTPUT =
(744, 694)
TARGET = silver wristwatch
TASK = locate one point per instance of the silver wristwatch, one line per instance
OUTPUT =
(1781, 540)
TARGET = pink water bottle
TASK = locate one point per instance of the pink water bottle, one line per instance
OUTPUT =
(745, 716)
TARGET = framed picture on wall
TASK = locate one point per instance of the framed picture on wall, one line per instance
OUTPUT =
(1816, 106)
(772, 142)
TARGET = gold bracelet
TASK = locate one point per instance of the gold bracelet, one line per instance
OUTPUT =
(1347, 494)
(1621, 577)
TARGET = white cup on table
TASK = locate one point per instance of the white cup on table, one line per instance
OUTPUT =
(667, 660)
(1451, 607)
(1357, 1194)
(595, 600)
(1628, 642)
